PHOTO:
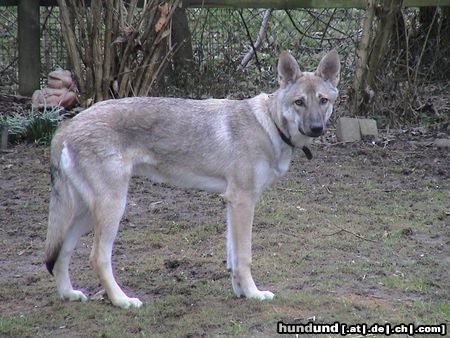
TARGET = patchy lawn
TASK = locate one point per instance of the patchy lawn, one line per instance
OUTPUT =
(360, 234)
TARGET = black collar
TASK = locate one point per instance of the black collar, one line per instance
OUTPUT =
(287, 140)
(307, 152)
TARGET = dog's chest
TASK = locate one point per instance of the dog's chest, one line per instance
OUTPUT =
(266, 173)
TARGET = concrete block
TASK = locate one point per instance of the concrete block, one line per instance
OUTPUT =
(347, 130)
(368, 127)
(352, 129)
(442, 143)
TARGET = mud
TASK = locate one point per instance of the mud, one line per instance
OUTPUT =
(379, 174)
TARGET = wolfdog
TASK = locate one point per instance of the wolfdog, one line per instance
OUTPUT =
(233, 147)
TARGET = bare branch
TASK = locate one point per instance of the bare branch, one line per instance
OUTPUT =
(261, 33)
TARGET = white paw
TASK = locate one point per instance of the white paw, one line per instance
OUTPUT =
(261, 295)
(126, 303)
(73, 295)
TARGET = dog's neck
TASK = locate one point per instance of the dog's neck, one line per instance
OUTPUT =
(277, 120)
(283, 136)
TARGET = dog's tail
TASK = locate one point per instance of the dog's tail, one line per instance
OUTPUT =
(60, 210)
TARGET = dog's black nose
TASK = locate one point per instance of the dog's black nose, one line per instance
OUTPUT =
(316, 131)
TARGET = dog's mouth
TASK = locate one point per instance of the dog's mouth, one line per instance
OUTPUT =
(315, 131)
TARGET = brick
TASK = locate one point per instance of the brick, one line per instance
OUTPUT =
(348, 130)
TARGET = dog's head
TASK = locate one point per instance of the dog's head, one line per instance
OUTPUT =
(305, 99)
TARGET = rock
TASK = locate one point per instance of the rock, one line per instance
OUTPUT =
(60, 78)
(442, 143)
(51, 97)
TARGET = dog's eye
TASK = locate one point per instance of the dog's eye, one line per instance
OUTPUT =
(323, 100)
(300, 102)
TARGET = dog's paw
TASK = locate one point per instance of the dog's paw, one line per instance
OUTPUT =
(74, 295)
(261, 295)
(126, 303)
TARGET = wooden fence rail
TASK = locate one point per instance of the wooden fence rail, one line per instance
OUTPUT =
(275, 4)
(29, 31)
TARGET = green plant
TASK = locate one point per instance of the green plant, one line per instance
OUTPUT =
(33, 127)
(17, 125)
(42, 127)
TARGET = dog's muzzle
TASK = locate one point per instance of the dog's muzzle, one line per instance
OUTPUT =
(315, 131)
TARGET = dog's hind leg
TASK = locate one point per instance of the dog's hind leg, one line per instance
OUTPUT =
(69, 219)
(107, 212)
(80, 225)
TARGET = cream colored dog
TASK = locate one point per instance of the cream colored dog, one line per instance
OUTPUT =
(236, 148)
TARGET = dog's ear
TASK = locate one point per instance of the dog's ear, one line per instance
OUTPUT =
(288, 69)
(330, 67)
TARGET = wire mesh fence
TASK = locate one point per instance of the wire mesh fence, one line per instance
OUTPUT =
(220, 39)
(53, 51)
(8, 49)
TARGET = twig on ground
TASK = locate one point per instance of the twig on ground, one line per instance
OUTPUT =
(350, 232)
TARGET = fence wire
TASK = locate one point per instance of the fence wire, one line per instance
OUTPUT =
(8, 49)
(53, 51)
(220, 39)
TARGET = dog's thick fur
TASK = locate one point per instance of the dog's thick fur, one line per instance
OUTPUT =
(236, 148)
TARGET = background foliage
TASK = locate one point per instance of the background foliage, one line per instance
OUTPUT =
(411, 87)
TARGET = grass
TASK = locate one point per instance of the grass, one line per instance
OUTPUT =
(412, 285)
(386, 267)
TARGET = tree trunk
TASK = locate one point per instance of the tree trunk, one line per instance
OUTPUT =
(29, 46)
(182, 41)
(386, 18)
(362, 54)
(445, 40)
(426, 15)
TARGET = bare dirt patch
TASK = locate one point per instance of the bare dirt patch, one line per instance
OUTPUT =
(359, 234)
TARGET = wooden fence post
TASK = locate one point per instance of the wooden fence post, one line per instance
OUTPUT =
(29, 38)
(3, 136)
(362, 53)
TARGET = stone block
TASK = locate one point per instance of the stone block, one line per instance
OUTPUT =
(352, 129)
(347, 130)
(442, 143)
(368, 127)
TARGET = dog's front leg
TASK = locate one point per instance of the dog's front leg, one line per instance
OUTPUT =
(240, 210)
